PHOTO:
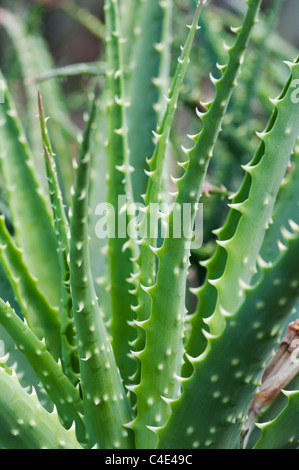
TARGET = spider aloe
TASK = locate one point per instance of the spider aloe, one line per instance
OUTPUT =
(104, 343)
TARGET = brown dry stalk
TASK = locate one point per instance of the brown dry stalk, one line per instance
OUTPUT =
(279, 372)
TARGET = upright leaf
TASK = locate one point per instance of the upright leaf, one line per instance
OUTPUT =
(106, 405)
(32, 221)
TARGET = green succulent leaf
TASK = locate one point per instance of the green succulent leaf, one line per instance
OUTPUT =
(67, 329)
(65, 397)
(282, 432)
(42, 318)
(254, 331)
(106, 405)
(168, 298)
(128, 319)
(34, 428)
(121, 248)
(250, 216)
(147, 85)
(32, 221)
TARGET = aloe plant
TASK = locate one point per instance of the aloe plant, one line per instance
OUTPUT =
(103, 342)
